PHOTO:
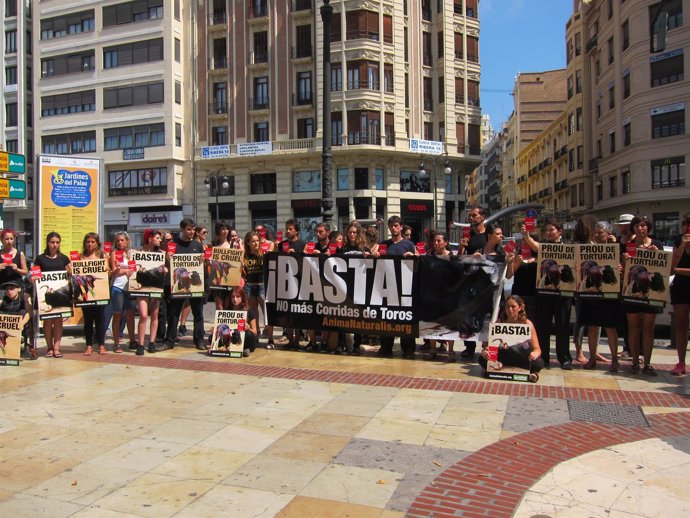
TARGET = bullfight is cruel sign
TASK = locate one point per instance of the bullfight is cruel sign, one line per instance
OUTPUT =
(187, 278)
(224, 268)
(10, 338)
(90, 282)
(382, 296)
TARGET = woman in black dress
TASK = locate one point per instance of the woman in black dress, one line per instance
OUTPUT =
(680, 292)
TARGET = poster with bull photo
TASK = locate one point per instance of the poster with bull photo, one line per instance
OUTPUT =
(508, 342)
(187, 275)
(90, 282)
(646, 277)
(10, 338)
(224, 269)
(556, 267)
(597, 271)
(54, 295)
(148, 278)
(228, 334)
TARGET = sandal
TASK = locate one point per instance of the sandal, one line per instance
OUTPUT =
(57, 354)
(591, 364)
(649, 370)
(88, 351)
(102, 350)
(614, 366)
(117, 348)
(50, 353)
(635, 368)
(533, 377)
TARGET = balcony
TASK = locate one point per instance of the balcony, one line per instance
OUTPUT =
(218, 63)
(301, 51)
(362, 35)
(521, 179)
(473, 101)
(459, 99)
(563, 184)
(258, 9)
(427, 60)
(473, 58)
(428, 105)
(592, 43)
(218, 18)
(258, 57)
(303, 99)
(259, 103)
(364, 85)
(593, 164)
(364, 137)
(301, 5)
(219, 107)
(459, 54)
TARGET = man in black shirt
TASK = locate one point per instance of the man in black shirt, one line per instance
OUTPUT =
(292, 244)
(185, 244)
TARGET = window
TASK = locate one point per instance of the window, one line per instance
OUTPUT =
(133, 95)
(260, 94)
(600, 191)
(570, 86)
(343, 179)
(578, 81)
(70, 143)
(674, 8)
(220, 98)
(569, 51)
(665, 225)
(337, 128)
(670, 121)
(176, 10)
(571, 160)
(305, 128)
(609, 10)
(264, 183)
(10, 42)
(361, 24)
(578, 43)
(12, 146)
(133, 53)
(137, 11)
(613, 186)
(28, 43)
(625, 34)
(667, 68)
(10, 8)
(361, 178)
(146, 135)
(336, 78)
(571, 123)
(74, 23)
(388, 78)
(178, 51)
(625, 181)
(580, 156)
(304, 95)
(11, 117)
(303, 41)
(219, 135)
(612, 97)
(29, 78)
(473, 49)
(178, 134)
(609, 45)
(306, 181)
(68, 64)
(669, 172)
(597, 109)
(74, 102)
(364, 127)
(579, 121)
(260, 47)
(137, 182)
(627, 134)
(598, 149)
(178, 92)
(261, 132)
(11, 75)
(612, 142)
(626, 85)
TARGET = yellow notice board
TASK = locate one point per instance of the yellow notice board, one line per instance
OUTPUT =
(68, 199)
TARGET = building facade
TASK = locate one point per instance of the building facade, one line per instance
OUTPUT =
(404, 88)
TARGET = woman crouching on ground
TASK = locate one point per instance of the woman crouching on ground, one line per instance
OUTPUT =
(526, 355)
(238, 302)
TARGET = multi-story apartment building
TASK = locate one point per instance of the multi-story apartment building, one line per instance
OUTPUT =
(115, 81)
(16, 119)
(403, 73)
(635, 97)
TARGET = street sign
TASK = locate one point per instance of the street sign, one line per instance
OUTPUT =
(12, 163)
(12, 189)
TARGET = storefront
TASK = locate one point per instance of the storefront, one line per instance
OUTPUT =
(418, 214)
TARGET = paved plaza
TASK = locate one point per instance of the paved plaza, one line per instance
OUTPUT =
(292, 434)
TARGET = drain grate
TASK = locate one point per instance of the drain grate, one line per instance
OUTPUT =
(607, 413)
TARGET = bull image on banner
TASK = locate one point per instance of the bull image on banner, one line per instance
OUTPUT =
(187, 275)
(90, 282)
(149, 277)
(228, 334)
(646, 277)
(383, 296)
(597, 272)
(224, 269)
(556, 266)
(511, 340)
(10, 338)
(54, 295)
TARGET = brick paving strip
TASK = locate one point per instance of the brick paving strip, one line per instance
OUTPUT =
(620, 397)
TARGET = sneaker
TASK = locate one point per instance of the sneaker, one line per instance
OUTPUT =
(140, 350)
(246, 353)
(679, 369)
(201, 346)
(270, 345)
(152, 348)
(166, 345)
(181, 330)
(567, 366)
(649, 370)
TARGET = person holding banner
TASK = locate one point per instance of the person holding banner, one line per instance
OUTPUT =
(13, 266)
(238, 302)
(120, 300)
(94, 316)
(642, 318)
(440, 251)
(52, 260)
(292, 244)
(148, 306)
(680, 292)
(526, 355)
(493, 249)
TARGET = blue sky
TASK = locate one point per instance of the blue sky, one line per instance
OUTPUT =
(518, 36)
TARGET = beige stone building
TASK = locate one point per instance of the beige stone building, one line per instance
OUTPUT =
(404, 89)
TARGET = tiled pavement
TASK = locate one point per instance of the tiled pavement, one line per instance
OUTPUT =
(297, 434)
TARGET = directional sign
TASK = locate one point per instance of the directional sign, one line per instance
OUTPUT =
(12, 163)
(12, 189)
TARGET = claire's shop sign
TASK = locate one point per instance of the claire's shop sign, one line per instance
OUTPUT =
(153, 219)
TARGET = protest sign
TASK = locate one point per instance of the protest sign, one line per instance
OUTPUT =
(149, 277)
(90, 282)
(646, 277)
(228, 334)
(187, 279)
(10, 338)
(557, 264)
(597, 271)
(224, 269)
(508, 341)
(54, 295)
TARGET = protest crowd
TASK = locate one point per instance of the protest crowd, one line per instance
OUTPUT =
(176, 273)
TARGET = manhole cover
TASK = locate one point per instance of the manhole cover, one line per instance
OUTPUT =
(606, 413)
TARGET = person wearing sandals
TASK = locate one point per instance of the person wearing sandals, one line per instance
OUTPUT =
(221, 239)
(527, 356)
(148, 306)
(642, 319)
(52, 260)
(680, 293)
(253, 271)
(120, 300)
(238, 302)
(93, 315)
(440, 251)
(597, 313)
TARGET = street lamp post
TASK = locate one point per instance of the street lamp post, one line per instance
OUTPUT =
(326, 155)
(215, 180)
(436, 162)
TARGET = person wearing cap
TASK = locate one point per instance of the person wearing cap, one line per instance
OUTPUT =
(14, 302)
